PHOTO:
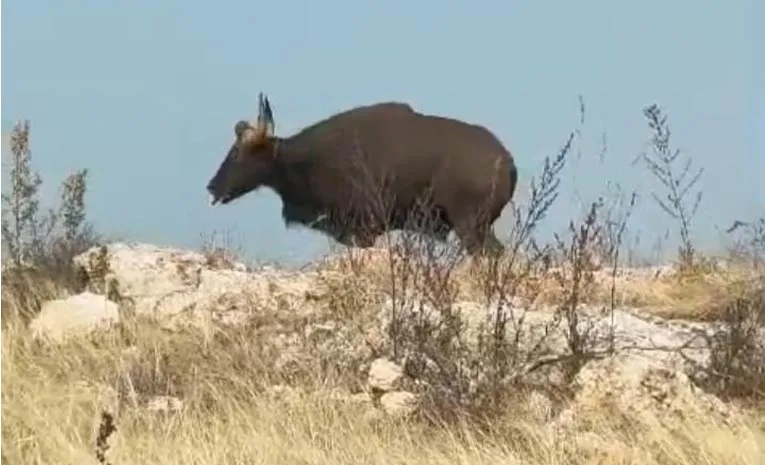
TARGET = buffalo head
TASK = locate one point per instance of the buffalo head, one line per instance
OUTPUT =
(249, 162)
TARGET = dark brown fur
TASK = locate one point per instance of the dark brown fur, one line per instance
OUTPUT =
(377, 167)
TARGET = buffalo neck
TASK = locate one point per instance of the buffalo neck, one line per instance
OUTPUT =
(291, 168)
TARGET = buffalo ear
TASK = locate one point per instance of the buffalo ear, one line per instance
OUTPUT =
(255, 133)
(246, 135)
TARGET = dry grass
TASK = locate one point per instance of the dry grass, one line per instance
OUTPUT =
(24, 293)
(662, 291)
(51, 410)
(700, 295)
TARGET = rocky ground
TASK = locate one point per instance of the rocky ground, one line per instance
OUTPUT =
(180, 288)
(640, 364)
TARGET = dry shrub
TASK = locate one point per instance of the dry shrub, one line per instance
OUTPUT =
(38, 247)
(220, 250)
(748, 245)
(663, 164)
(733, 296)
(422, 281)
(737, 368)
(461, 368)
(737, 365)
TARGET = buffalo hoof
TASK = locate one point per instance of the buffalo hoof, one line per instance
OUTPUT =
(352, 240)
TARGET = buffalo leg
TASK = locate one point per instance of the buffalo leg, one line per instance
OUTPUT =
(492, 245)
(431, 223)
(476, 235)
(441, 233)
(479, 241)
(359, 234)
(364, 240)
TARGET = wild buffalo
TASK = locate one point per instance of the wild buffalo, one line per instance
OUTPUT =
(374, 168)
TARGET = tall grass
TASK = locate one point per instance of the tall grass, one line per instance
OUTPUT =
(53, 400)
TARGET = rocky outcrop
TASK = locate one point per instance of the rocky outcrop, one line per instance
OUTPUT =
(299, 321)
(634, 385)
(183, 287)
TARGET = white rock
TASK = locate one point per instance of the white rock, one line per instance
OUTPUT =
(164, 404)
(79, 314)
(638, 385)
(384, 375)
(185, 287)
(398, 403)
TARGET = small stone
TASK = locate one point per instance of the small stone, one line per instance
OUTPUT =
(164, 404)
(384, 375)
(398, 403)
(360, 398)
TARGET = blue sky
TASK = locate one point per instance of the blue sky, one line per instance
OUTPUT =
(145, 95)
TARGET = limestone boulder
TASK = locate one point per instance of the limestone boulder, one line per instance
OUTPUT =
(75, 315)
